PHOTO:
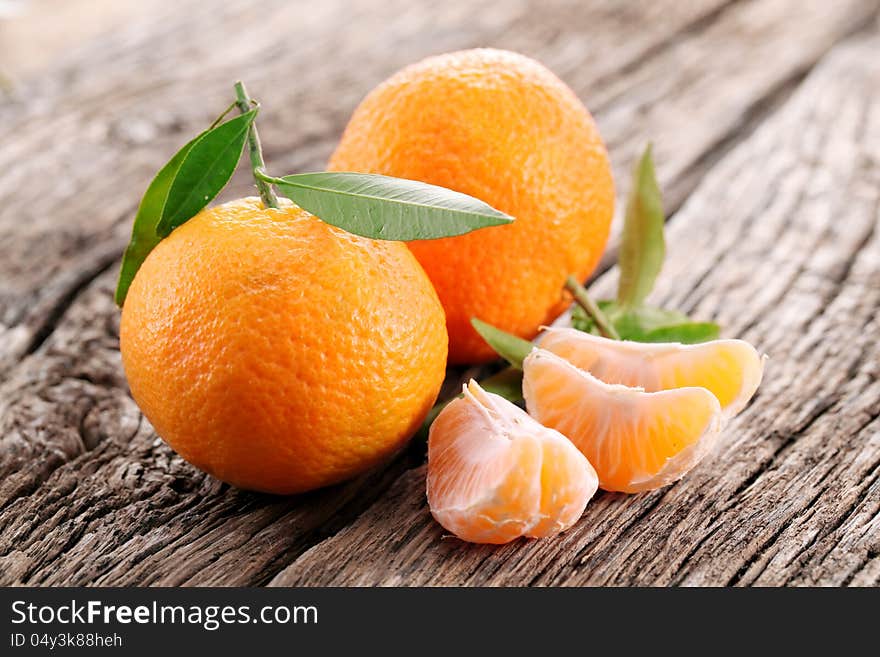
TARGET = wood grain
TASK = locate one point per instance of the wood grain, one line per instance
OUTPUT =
(36, 34)
(780, 244)
(90, 495)
(690, 76)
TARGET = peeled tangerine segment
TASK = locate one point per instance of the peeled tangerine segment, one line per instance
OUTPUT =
(636, 440)
(495, 474)
(730, 369)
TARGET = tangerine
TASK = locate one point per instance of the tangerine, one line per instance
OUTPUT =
(501, 127)
(278, 353)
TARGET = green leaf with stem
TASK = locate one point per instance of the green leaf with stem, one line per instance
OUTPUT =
(381, 207)
(510, 347)
(255, 149)
(144, 237)
(591, 308)
(204, 171)
(154, 206)
(642, 246)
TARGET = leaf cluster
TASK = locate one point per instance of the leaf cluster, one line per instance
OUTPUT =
(374, 206)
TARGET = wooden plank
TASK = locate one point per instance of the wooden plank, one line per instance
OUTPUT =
(37, 34)
(88, 493)
(66, 422)
(780, 244)
(117, 108)
(688, 75)
(83, 475)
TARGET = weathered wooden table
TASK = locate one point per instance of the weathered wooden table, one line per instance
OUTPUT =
(766, 120)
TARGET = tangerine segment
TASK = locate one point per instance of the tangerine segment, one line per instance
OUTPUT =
(636, 440)
(729, 369)
(495, 474)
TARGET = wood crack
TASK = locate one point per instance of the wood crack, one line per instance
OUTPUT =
(762, 549)
(843, 519)
(786, 441)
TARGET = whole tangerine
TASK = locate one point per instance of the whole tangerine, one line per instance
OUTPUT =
(503, 128)
(278, 353)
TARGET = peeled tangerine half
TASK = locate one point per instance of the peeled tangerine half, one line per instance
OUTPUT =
(636, 440)
(730, 369)
(495, 474)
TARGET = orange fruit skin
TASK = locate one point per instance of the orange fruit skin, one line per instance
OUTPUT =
(278, 353)
(502, 128)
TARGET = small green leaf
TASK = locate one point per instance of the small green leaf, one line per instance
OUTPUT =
(650, 318)
(143, 234)
(686, 333)
(166, 198)
(387, 208)
(637, 324)
(642, 246)
(647, 324)
(204, 171)
(511, 348)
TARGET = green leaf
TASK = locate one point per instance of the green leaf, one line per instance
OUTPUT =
(637, 324)
(642, 247)
(686, 333)
(647, 324)
(204, 172)
(143, 234)
(387, 208)
(511, 348)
